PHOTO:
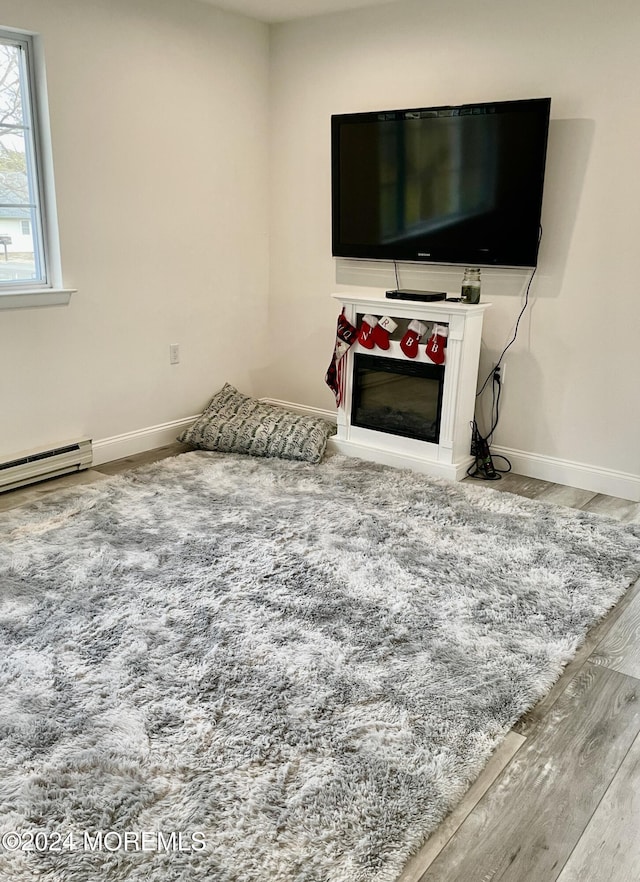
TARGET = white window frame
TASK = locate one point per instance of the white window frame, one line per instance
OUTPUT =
(49, 290)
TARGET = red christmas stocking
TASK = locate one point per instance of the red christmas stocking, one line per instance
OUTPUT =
(365, 334)
(345, 338)
(382, 331)
(436, 343)
(409, 343)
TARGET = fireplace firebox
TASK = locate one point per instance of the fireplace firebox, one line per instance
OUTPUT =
(397, 396)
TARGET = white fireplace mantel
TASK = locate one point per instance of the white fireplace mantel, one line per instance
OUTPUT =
(450, 457)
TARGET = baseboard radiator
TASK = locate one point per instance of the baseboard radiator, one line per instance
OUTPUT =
(38, 465)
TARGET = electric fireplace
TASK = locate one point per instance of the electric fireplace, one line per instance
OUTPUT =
(397, 396)
(403, 409)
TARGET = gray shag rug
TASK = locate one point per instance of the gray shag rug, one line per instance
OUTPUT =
(299, 668)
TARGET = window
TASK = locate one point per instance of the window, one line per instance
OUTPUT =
(29, 257)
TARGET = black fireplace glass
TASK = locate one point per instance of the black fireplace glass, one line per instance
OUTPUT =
(397, 396)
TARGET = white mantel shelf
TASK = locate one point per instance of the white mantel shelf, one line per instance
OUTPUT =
(450, 457)
(373, 300)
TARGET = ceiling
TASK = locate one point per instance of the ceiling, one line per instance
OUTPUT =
(283, 10)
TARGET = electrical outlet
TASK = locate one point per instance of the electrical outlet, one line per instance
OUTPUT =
(174, 353)
(499, 372)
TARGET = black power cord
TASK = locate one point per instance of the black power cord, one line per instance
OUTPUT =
(484, 467)
(512, 340)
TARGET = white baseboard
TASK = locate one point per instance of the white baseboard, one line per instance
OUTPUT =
(329, 415)
(141, 440)
(138, 441)
(573, 474)
(532, 465)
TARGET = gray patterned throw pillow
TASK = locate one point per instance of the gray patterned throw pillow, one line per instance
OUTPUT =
(235, 423)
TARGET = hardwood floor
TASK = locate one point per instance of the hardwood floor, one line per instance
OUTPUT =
(559, 801)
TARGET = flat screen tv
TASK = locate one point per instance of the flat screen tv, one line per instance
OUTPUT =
(452, 185)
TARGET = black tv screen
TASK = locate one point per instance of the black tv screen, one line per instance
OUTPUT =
(453, 185)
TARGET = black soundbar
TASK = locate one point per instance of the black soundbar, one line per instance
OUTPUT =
(411, 294)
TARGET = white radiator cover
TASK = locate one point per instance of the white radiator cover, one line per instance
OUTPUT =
(37, 465)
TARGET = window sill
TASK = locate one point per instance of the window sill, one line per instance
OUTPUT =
(29, 298)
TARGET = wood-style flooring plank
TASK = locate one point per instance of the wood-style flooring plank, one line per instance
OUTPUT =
(570, 497)
(532, 719)
(416, 866)
(609, 849)
(613, 507)
(526, 826)
(518, 484)
(117, 466)
(33, 492)
(620, 648)
(634, 515)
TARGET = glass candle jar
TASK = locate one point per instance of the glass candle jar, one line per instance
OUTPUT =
(471, 286)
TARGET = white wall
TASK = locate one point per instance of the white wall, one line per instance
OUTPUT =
(571, 390)
(160, 115)
(159, 126)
